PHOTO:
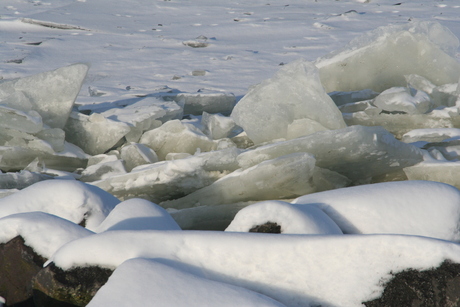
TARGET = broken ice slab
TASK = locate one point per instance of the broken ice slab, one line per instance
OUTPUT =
(211, 102)
(30, 122)
(20, 180)
(399, 124)
(53, 136)
(95, 134)
(379, 59)
(440, 171)
(356, 152)
(137, 154)
(419, 83)
(403, 100)
(292, 101)
(173, 178)
(342, 98)
(52, 94)
(217, 126)
(177, 137)
(145, 114)
(17, 157)
(279, 178)
(109, 166)
(430, 135)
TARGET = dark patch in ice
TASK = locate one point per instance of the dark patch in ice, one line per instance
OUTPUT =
(268, 227)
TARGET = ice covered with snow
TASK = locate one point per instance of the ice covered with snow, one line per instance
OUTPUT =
(292, 218)
(371, 59)
(334, 270)
(290, 104)
(403, 100)
(217, 126)
(181, 288)
(422, 208)
(69, 199)
(431, 135)
(44, 232)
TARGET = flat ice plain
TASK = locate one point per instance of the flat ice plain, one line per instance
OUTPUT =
(96, 92)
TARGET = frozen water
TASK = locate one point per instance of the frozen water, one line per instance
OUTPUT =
(431, 135)
(52, 94)
(175, 136)
(210, 102)
(30, 122)
(292, 101)
(356, 152)
(20, 180)
(104, 169)
(82, 202)
(341, 98)
(404, 100)
(173, 178)
(138, 214)
(419, 83)
(422, 208)
(217, 126)
(292, 218)
(181, 288)
(95, 134)
(446, 172)
(283, 177)
(137, 154)
(425, 48)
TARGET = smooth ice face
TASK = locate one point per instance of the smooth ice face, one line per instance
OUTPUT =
(292, 218)
(379, 59)
(356, 152)
(52, 94)
(95, 134)
(175, 136)
(423, 208)
(431, 135)
(403, 100)
(217, 126)
(446, 172)
(30, 121)
(137, 154)
(292, 102)
(213, 102)
(282, 177)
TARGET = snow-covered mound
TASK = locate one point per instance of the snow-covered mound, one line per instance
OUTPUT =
(422, 208)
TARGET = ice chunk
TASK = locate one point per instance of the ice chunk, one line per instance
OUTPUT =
(282, 177)
(171, 179)
(53, 136)
(292, 218)
(403, 100)
(419, 83)
(111, 166)
(446, 172)
(381, 58)
(430, 135)
(95, 134)
(137, 154)
(446, 95)
(30, 121)
(217, 126)
(341, 98)
(145, 114)
(421, 208)
(175, 136)
(399, 124)
(294, 93)
(353, 107)
(210, 102)
(20, 180)
(52, 94)
(138, 214)
(356, 152)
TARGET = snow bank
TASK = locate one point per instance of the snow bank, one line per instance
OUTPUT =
(68, 199)
(180, 288)
(296, 270)
(421, 208)
(292, 218)
(425, 48)
(138, 214)
(290, 104)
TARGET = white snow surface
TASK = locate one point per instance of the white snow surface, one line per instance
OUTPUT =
(297, 270)
(68, 199)
(413, 207)
(179, 289)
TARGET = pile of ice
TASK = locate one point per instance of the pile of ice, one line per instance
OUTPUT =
(389, 116)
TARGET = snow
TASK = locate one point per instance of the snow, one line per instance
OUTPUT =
(147, 63)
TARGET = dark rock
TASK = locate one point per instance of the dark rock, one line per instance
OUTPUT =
(53, 286)
(438, 287)
(18, 265)
(268, 227)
